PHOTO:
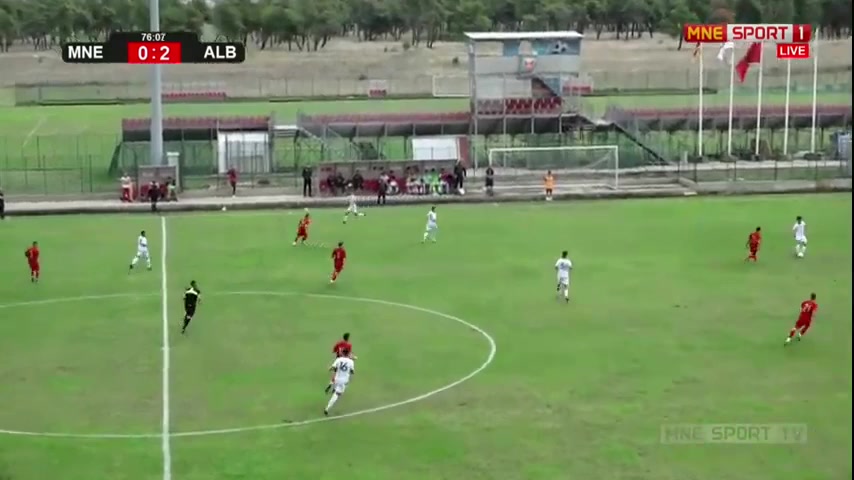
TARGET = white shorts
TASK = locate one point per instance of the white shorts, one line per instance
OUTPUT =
(339, 387)
(801, 239)
(432, 227)
(352, 208)
(142, 253)
(563, 281)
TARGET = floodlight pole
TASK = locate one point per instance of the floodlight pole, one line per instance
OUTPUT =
(156, 92)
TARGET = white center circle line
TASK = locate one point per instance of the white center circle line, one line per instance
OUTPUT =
(493, 349)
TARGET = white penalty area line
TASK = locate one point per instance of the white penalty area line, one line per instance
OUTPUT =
(165, 432)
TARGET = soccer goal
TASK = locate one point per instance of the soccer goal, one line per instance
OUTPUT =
(445, 86)
(576, 165)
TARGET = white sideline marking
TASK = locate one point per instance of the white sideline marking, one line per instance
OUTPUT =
(39, 125)
(165, 433)
(493, 349)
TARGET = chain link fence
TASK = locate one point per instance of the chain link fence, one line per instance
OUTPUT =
(451, 85)
(93, 164)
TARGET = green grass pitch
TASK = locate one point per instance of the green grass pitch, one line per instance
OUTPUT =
(667, 325)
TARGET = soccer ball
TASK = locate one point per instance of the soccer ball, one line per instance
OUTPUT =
(800, 255)
(224, 208)
(306, 209)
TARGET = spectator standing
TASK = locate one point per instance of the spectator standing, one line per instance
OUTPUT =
(306, 181)
(172, 190)
(232, 180)
(382, 189)
(127, 188)
(153, 195)
(358, 181)
(459, 177)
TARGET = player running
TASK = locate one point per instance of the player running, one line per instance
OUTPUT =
(302, 230)
(800, 231)
(753, 242)
(32, 255)
(338, 257)
(563, 266)
(191, 301)
(352, 208)
(808, 309)
(432, 229)
(344, 368)
(141, 252)
(338, 350)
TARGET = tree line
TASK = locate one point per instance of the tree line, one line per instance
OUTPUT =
(309, 24)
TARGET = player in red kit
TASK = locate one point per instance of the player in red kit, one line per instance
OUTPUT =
(338, 350)
(32, 255)
(808, 309)
(302, 229)
(338, 257)
(753, 242)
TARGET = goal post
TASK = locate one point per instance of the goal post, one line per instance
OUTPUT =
(578, 165)
(448, 86)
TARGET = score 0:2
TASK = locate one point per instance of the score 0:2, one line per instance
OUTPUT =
(153, 53)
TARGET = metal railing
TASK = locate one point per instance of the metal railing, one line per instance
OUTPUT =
(93, 164)
(454, 85)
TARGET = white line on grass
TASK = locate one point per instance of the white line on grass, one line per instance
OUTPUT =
(32, 132)
(165, 434)
(493, 349)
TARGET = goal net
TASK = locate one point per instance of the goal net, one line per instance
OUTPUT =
(445, 86)
(580, 166)
(377, 88)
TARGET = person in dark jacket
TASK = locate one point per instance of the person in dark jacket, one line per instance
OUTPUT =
(490, 181)
(153, 195)
(459, 176)
(306, 181)
(382, 189)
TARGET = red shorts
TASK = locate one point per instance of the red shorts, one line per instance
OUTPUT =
(302, 233)
(803, 323)
(34, 267)
(338, 267)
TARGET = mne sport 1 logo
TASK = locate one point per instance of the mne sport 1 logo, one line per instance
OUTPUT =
(792, 41)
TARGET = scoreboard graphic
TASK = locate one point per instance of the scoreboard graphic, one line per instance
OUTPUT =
(153, 48)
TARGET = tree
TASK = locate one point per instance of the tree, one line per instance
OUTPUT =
(678, 15)
(8, 28)
(310, 24)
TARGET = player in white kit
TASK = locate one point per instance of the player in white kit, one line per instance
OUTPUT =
(432, 229)
(141, 251)
(563, 266)
(800, 231)
(352, 209)
(344, 368)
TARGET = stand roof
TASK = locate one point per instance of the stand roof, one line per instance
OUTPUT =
(502, 36)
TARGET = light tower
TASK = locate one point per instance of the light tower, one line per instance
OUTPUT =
(156, 92)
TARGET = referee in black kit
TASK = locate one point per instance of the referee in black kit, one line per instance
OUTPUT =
(2, 206)
(191, 300)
